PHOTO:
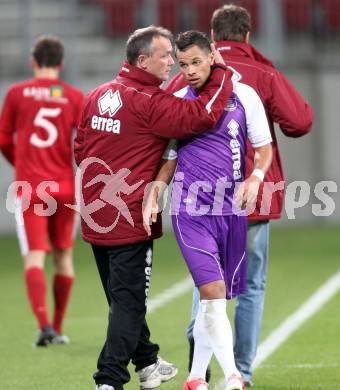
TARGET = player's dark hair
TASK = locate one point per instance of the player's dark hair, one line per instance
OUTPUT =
(48, 51)
(192, 37)
(140, 41)
(230, 23)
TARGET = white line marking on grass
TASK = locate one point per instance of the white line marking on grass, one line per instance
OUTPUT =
(312, 366)
(170, 294)
(294, 321)
(297, 366)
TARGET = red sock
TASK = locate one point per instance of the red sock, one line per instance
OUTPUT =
(36, 291)
(62, 285)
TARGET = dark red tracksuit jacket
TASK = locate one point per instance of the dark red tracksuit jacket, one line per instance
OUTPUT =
(283, 104)
(126, 123)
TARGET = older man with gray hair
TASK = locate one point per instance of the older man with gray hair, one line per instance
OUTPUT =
(124, 130)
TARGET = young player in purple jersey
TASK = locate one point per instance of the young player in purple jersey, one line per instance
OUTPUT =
(209, 221)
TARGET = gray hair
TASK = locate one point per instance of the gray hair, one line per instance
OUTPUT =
(140, 40)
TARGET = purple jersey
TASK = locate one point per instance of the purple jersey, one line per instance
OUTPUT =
(208, 170)
(211, 165)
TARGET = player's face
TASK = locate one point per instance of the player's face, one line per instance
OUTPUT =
(160, 61)
(195, 65)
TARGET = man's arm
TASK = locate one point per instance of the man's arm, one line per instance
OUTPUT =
(78, 145)
(7, 147)
(288, 108)
(165, 174)
(7, 129)
(79, 109)
(246, 196)
(176, 83)
(80, 134)
(259, 135)
(173, 117)
(166, 171)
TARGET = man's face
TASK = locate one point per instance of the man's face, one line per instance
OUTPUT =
(160, 62)
(195, 65)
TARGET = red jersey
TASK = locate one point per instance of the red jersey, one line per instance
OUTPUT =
(283, 104)
(36, 126)
(122, 135)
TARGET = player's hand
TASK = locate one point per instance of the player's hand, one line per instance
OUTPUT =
(246, 195)
(217, 55)
(150, 210)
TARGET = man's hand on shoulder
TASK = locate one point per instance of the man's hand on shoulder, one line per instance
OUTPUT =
(218, 59)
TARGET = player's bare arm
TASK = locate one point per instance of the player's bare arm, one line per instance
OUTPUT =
(246, 195)
(163, 179)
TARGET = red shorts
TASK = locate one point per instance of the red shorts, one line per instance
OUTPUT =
(48, 222)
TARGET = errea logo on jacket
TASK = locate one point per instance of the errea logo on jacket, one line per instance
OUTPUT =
(109, 103)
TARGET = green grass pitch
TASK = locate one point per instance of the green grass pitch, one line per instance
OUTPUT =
(301, 259)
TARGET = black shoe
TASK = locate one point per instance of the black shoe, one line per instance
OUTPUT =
(191, 356)
(249, 383)
(45, 337)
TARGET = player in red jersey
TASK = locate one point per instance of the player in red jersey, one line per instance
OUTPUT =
(36, 127)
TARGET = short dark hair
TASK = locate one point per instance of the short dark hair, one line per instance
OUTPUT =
(48, 51)
(140, 40)
(192, 37)
(230, 23)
